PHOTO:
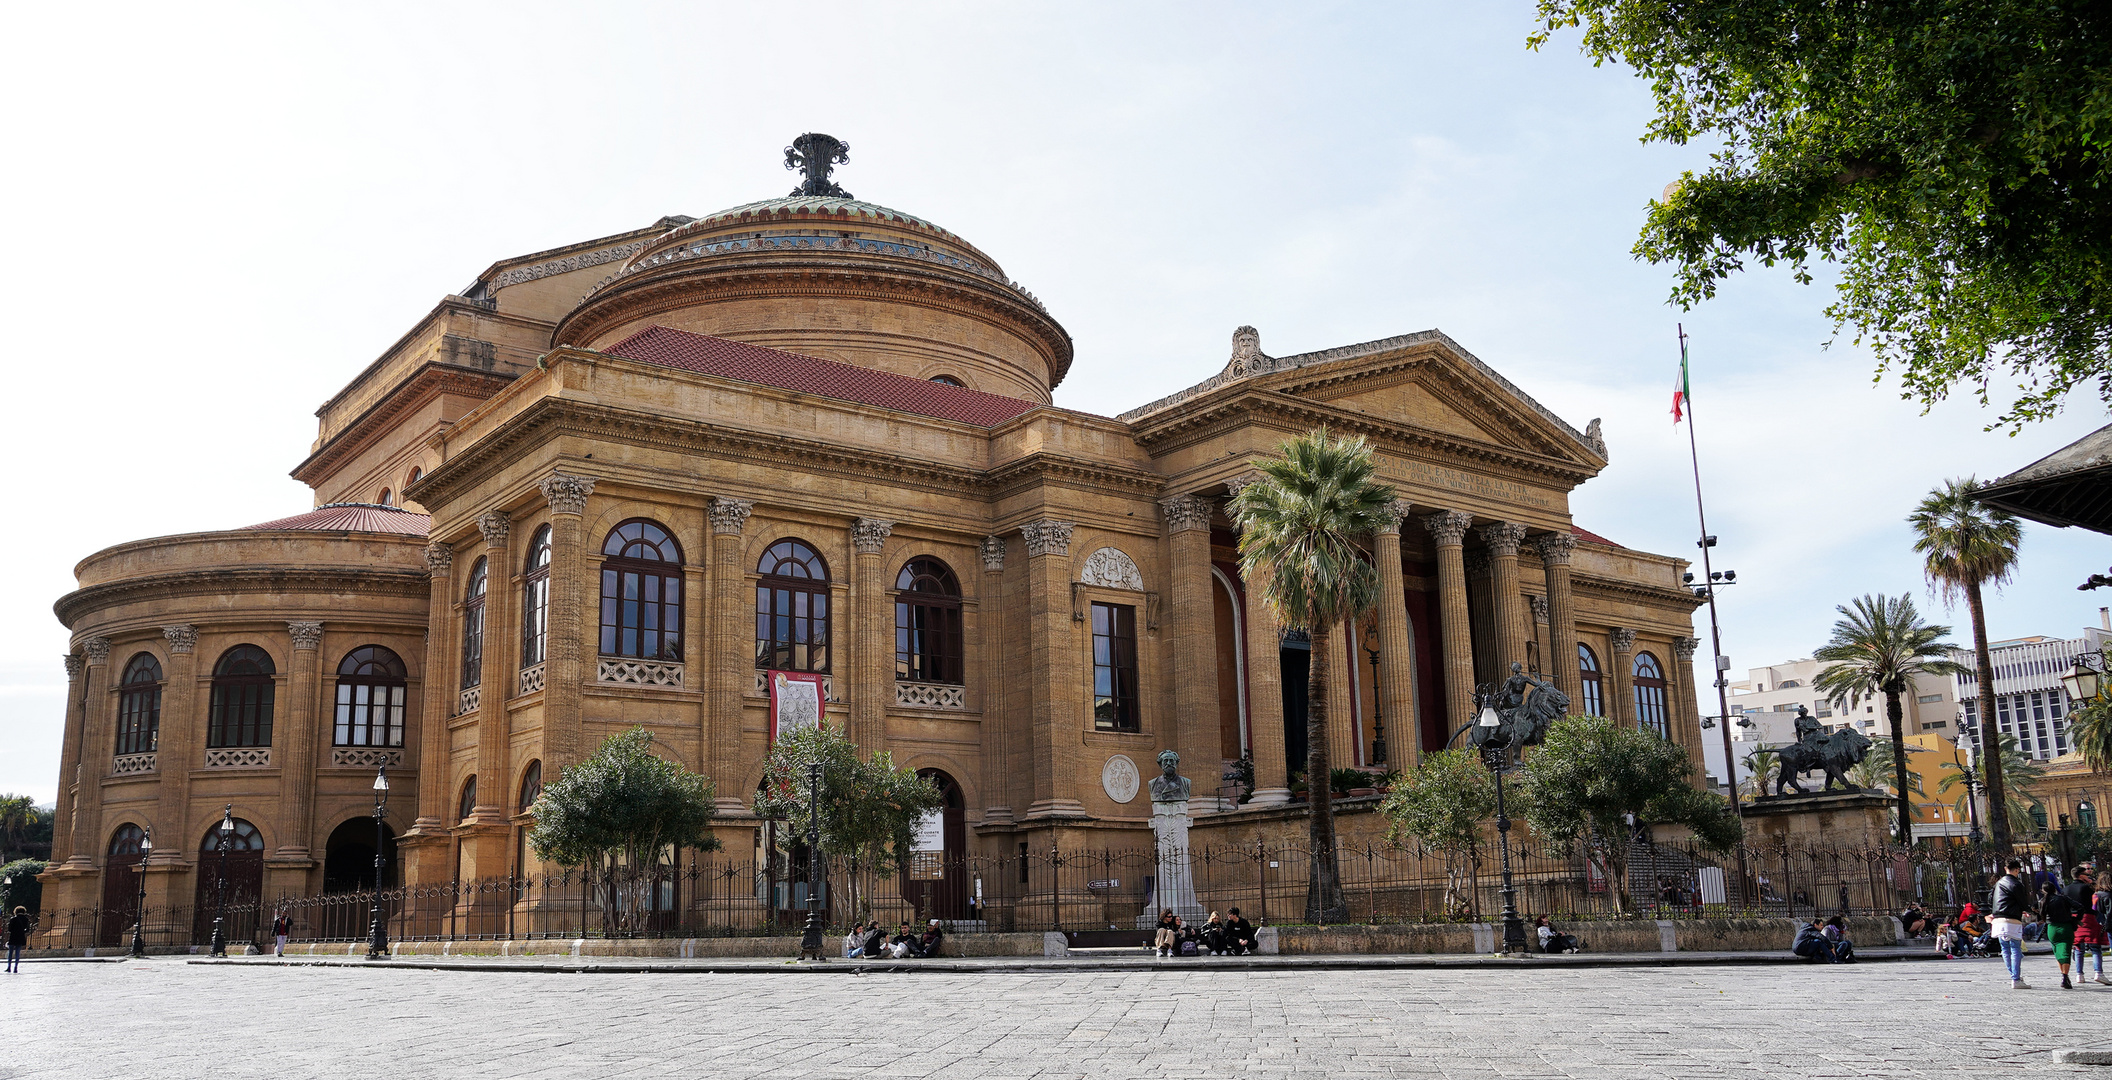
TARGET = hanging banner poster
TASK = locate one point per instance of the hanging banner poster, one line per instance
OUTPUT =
(795, 701)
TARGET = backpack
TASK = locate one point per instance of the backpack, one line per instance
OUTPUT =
(1188, 948)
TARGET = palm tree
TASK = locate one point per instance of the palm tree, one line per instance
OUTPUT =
(1878, 770)
(1298, 544)
(2023, 774)
(1760, 765)
(1878, 647)
(1964, 546)
(18, 814)
(2090, 724)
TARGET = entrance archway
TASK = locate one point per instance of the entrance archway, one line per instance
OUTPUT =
(121, 884)
(935, 876)
(245, 883)
(348, 860)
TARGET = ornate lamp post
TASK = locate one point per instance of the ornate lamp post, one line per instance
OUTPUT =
(1496, 754)
(817, 874)
(227, 832)
(1378, 705)
(377, 934)
(139, 870)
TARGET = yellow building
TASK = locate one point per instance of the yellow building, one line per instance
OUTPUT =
(620, 482)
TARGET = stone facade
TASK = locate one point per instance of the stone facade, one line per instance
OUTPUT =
(555, 415)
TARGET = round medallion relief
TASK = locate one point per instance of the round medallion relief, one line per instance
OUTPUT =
(1119, 778)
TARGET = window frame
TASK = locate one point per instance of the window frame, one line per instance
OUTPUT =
(535, 601)
(253, 710)
(804, 599)
(1591, 682)
(350, 714)
(466, 804)
(1114, 640)
(929, 645)
(1651, 696)
(139, 706)
(620, 599)
(474, 595)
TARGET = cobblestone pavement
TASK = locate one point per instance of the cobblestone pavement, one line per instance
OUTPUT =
(167, 1019)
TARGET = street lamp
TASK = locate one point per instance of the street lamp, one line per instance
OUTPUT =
(810, 941)
(1496, 754)
(377, 935)
(227, 832)
(2082, 681)
(139, 870)
(1378, 708)
(1972, 785)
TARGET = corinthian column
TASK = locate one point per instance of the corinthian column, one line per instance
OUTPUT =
(1449, 529)
(1508, 607)
(1555, 550)
(437, 704)
(1396, 689)
(1054, 686)
(731, 662)
(297, 737)
(990, 637)
(1194, 644)
(1685, 721)
(98, 746)
(176, 750)
(1623, 675)
(873, 640)
(491, 709)
(69, 798)
(571, 620)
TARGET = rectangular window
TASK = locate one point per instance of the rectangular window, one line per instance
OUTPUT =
(240, 715)
(1929, 699)
(1115, 667)
(927, 643)
(535, 619)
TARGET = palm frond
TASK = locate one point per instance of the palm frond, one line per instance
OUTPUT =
(1300, 527)
(1962, 540)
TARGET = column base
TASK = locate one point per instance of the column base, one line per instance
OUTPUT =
(997, 815)
(727, 806)
(1056, 808)
(1269, 796)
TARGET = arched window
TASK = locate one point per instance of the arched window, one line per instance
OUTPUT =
(139, 706)
(242, 699)
(416, 472)
(531, 785)
(371, 689)
(948, 380)
(469, 799)
(1650, 696)
(386, 499)
(641, 593)
(792, 609)
(535, 601)
(243, 837)
(927, 623)
(1593, 683)
(473, 624)
(126, 840)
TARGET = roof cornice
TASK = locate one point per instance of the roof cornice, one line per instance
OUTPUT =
(210, 584)
(430, 379)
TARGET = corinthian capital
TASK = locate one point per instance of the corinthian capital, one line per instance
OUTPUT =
(1390, 519)
(993, 553)
(1449, 527)
(1047, 537)
(1185, 513)
(1503, 538)
(567, 494)
(730, 515)
(439, 558)
(306, 635)
(1683, 647)
(869, 535)
(1555, 548)
(1623, 639)
(495, 527)
(97, 650)
(182, 639)
(74, 665)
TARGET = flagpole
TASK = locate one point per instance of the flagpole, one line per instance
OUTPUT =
(1701, 515)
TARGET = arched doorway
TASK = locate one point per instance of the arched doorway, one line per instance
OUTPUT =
(244, 865)
(348, 860)
(121, 880)
(935, 876)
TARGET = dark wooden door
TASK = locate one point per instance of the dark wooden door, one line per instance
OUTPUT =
(120, 898)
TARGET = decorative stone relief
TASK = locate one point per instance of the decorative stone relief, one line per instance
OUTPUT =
(1247, 357)
(1185, 513)
(1047, 537)
(730, 516)
(131, 764)
(182, 639)
(1502, 538)
(1596, 439)
(1239, 483)
(495, 527)
(1623, 639)
(993, 551)
(1449, 526)
(567, 494)
(97, 650)
(306, 635)
(1683, 647)
(869, 535)
(1555, 548)
(439, 558)
(522, 274)
(1539, 606)
(364, 757)
(1108, 568)
(931, 695)
(468, 701)
(74, 666)
(639, 673)
(531, 679)
(1120, 779)
(247, 757)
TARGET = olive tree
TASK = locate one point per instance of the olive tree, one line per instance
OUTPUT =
(618, 813)
(868, 805)
(1441, 805)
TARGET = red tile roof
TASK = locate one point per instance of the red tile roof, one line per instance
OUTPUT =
(726, 359)
(353, 517)
(1586, 534)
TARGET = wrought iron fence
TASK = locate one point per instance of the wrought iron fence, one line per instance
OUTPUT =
(699, 895)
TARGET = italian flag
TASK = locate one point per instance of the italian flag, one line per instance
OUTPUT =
(1679, 384)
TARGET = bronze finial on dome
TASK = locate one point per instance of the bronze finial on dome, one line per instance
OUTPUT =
(818, 155)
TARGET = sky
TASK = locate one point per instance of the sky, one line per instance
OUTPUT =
(219, 214)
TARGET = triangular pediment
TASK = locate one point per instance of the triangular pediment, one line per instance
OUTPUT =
(1417, 398)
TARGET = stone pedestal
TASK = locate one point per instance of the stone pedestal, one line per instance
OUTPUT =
(1834, 818)
(1176, 881)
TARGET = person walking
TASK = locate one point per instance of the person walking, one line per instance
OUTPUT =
(17, 937)
(2090, 939)
(2064, 915)
(2012, 902)
(281, 929)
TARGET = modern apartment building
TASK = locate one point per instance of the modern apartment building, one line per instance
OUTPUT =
(2028, 699)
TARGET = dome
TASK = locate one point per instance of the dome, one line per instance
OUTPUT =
(351, 517)
(830, 276)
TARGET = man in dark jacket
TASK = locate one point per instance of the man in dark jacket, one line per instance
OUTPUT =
(17, 937)
(1811, 944)
(2012, 902)
(1239, 934)
(2064, 911)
